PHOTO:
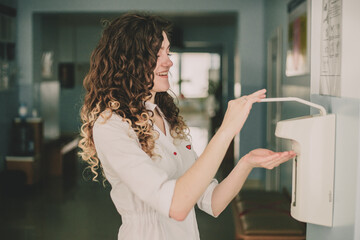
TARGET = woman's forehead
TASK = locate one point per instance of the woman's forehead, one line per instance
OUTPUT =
(165, 44)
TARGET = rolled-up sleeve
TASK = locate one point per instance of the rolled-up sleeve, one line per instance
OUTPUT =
(204, 202)
(122, 157)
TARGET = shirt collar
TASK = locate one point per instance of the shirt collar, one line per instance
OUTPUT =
(150, 106)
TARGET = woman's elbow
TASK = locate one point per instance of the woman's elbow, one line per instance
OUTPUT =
(216, 214)
(179, 215)
(216, 211)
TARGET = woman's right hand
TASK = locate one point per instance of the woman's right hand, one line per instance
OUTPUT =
(238, 110)
(266, 158)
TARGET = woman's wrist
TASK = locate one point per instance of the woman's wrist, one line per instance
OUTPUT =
(226, 132)
(244, 161)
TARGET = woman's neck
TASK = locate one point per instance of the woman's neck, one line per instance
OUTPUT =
(152, 99)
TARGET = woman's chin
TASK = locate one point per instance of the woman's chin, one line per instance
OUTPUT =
(161, 89)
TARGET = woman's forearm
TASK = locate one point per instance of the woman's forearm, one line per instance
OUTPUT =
(190, 186)
(193, 183)
(229, 187)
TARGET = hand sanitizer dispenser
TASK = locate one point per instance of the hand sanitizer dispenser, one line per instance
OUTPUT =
(313, 139)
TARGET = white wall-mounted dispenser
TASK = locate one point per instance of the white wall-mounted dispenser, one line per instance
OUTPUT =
(313, 139)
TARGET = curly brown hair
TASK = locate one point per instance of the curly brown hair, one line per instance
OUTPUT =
(120, 79)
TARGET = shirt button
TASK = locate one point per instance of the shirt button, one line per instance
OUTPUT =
(175, 153)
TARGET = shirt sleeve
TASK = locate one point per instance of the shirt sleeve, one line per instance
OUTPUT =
(121, 156)
(204, 203)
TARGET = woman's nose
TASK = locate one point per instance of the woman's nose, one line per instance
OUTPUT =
(167, 62)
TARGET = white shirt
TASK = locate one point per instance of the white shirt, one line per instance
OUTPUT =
(142, 188)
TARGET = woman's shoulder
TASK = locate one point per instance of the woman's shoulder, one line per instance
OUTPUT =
(110, 121)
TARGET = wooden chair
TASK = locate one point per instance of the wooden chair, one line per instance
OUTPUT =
(261, 215)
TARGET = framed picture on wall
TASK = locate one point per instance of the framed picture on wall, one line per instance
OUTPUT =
(297, 56)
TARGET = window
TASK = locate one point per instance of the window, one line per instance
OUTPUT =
(191, 72)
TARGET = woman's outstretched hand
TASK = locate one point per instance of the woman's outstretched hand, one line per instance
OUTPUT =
(266, 158)
(231, 185)
(238, 110)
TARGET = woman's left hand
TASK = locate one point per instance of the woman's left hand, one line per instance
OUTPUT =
(266, 158)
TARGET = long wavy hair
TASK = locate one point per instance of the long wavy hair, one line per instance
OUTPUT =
(120, 79)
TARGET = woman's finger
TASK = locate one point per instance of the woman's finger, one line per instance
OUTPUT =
(283, 158)
(256, 94)
(272, 157)
(254, 97)
(252, 100)
(259, 92)
(239, 109)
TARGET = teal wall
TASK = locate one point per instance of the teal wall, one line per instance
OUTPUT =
(248, 49)
(251, 54)
(9, 102)
(8, 106)
(276, 16)
(257, 20)
(248, 37)
(72, 38)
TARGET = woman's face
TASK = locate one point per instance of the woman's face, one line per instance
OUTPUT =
(161, 80)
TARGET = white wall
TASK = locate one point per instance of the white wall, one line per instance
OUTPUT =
(346, 191)
(347, 110)
(357, 208)
(350, 70)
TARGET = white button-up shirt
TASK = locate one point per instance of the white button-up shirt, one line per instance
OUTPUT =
(142, 188)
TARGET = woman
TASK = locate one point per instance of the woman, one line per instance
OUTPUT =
(132, 132)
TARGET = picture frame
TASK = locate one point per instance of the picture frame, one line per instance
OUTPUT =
(297, 55)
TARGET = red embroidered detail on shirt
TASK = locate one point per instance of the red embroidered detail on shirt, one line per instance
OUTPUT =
(188, 147)
(175, 153)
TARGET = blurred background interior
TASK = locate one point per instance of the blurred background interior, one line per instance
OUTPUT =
(221, 50)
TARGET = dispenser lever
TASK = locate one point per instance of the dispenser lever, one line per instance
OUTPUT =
(295, 99)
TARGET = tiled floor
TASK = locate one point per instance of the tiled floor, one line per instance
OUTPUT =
(59, 209)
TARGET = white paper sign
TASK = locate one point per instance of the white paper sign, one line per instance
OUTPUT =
(330, 68)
